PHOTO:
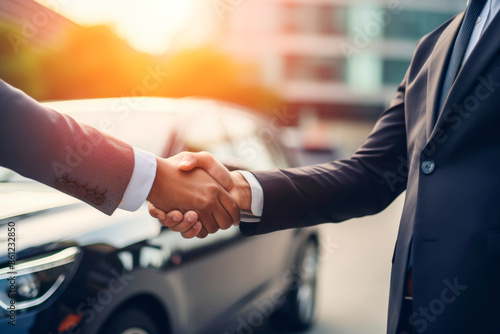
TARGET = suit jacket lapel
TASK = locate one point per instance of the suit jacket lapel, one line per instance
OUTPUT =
(438, 64)
(481, 56)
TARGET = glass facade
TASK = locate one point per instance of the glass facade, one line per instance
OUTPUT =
(413, 24)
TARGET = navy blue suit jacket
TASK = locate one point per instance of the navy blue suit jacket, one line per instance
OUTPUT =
(450, 169)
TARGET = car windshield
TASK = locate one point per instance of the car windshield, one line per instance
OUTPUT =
(147, 127)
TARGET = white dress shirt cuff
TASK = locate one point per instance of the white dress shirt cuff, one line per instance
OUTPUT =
(141, 181)
(257, 205)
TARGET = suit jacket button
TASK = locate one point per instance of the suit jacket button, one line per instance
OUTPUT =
(428, 166)
(80, 192)
(99, 199)
(90, 195)
(71, 187)
(61, 183)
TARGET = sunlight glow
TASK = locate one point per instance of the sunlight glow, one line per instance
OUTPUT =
(148, 25)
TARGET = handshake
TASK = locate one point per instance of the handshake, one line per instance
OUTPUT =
(195, 194)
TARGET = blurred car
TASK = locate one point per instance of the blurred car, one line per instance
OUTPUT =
(79, 271)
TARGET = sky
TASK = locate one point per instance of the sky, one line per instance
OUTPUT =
(148, 25)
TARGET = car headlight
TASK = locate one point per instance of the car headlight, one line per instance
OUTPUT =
(31, 282)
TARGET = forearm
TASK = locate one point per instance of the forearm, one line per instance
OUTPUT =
(54, 149)
(340, 190)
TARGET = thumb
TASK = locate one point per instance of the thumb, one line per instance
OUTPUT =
(188, 162)
(206, 161)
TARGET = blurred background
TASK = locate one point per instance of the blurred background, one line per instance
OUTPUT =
(325, 68)
(332, 64)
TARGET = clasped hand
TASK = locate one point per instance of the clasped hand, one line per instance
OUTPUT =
(194, 194)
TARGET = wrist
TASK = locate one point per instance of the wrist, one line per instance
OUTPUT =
(242, 191)
(157, 190)
(155, 185)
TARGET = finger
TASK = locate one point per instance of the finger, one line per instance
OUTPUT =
(202, 234)
(188, 162)
(221, 216)
(211, 165)
(172, 219)
(209, 223)
(187, 222)
(155, 212)
(203, 204)
(193, 231)
(230, 206)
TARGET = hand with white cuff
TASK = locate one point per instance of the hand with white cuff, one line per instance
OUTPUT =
(191, 224)
(208, 193)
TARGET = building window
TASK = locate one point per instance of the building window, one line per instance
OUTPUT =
(314, 19)
(413, 24)
(394, 71)
(332, 20)
(312, 68)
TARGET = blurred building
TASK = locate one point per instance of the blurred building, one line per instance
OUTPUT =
(331, 58)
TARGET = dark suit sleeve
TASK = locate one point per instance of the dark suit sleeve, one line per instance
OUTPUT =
(333, 192)
(54, 149)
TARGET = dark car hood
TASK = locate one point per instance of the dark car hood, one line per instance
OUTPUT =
(22, 198)
(44, 217)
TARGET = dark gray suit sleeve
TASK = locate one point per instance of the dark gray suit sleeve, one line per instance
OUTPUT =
(333, 192)
(54, 149)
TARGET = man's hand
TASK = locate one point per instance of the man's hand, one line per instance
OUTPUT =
(175, 189)
(188, 224)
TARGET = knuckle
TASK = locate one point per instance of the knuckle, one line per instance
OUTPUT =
(213, 188)
(213, 193)
(202, 202)
(206, 156)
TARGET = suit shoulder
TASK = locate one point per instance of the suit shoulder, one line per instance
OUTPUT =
(426, 46)
(430, 39)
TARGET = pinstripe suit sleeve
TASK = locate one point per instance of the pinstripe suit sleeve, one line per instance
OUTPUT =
(54, 149)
